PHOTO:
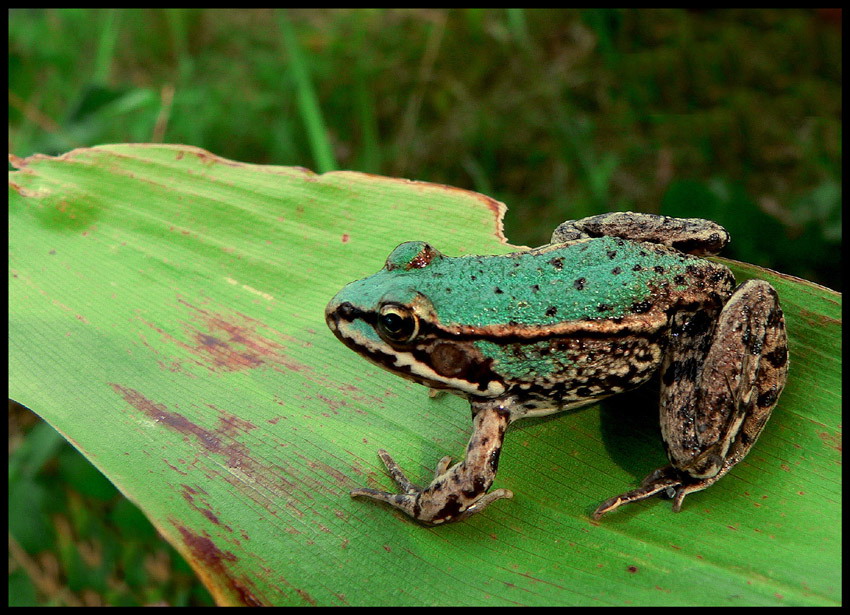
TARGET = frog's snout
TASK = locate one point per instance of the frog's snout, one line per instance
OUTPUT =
(331, 314)
(335, 311)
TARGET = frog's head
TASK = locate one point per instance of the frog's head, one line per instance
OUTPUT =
(389, 319)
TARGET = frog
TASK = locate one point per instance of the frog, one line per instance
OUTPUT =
(611, 302)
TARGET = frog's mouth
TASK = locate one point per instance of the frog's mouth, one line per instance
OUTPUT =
(422, 361)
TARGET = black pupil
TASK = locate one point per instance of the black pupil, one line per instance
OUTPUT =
(397, 326)
(393, 322)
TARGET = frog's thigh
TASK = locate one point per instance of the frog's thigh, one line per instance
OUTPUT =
(711, 415)
(690, 235)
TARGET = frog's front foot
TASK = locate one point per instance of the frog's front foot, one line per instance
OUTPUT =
(460, 490)
(444, 500)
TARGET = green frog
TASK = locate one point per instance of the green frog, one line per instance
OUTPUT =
(613, 300)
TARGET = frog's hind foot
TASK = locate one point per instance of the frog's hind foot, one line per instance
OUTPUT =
(666, 480)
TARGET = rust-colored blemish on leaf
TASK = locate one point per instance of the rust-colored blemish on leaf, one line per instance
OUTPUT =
(160, 414)
(831, 440)
(261, 482)
(225, 343)
(230, 346)
(339, 478)
(333, 403)
(219, 441)
(210, 563)
(207, 157)
(230, 424)
(196, 498)
(305, 596)
(234, 342)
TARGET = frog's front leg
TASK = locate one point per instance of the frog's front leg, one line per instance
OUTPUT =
(719, 384)
(460, 490)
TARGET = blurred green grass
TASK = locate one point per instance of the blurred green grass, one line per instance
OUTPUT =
(74, 540)
(732, 115)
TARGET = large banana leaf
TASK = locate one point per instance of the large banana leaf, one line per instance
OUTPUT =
(166, 316)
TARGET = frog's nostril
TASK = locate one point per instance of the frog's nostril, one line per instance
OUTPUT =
(345, 310)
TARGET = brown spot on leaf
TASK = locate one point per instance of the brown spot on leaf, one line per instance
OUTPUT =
(219, 441)
(160, 414)
(211, 564)
(226, 343)
(196, 499)
(831, 440)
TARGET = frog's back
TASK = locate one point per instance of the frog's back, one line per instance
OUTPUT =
(601, 278)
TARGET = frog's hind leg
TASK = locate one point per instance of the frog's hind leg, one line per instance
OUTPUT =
(718, 387)
(689, 235)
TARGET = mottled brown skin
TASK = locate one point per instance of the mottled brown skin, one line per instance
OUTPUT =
(720, 382)
(712, 415)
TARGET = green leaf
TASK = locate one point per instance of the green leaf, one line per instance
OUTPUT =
(166, 316)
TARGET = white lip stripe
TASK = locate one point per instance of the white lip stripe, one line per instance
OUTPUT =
(406, 359)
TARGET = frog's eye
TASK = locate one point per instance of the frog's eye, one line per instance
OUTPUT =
(397, 323)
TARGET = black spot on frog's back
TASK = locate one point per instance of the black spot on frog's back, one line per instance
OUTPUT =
(641, 307)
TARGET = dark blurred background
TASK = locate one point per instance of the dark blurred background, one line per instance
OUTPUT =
(733, 115)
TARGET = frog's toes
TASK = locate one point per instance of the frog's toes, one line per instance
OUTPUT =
(484, 501)
(666, 480)
(442, 466)
(397, 473)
